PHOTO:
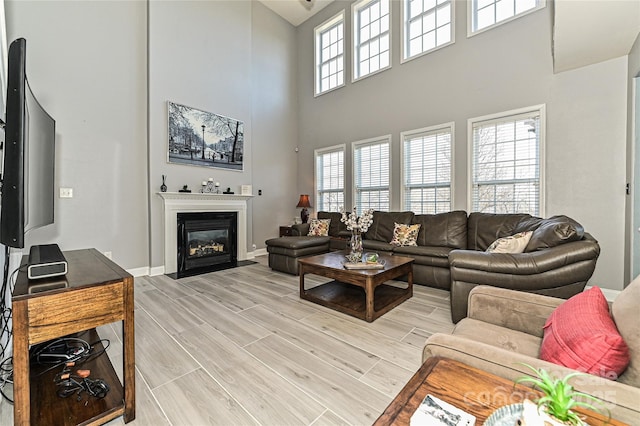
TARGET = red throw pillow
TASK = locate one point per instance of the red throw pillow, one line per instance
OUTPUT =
(581, 335)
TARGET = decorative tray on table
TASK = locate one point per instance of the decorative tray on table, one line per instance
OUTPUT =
(363, 265)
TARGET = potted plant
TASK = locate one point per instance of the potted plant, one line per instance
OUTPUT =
(558, 401)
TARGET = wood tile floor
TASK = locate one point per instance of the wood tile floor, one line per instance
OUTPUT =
(239, 347)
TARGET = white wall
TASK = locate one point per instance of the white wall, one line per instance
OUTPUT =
(501, 69)
(86, 65)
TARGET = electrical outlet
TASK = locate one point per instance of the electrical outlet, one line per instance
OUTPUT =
(66, 192)
(107, 254)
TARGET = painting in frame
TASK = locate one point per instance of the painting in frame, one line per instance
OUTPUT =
(200, 138)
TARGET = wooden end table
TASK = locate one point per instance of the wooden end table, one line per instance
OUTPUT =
(345, 294)
(94, 292)
(475, 391)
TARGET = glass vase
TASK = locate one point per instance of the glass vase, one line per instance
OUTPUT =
(356, 245)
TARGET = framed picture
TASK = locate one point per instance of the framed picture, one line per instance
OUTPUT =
(200, 138)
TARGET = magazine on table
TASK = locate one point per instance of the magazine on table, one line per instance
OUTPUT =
(433, 411)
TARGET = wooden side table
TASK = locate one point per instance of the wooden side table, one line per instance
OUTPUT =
(286, 231)
(470, 389)
(94, 292)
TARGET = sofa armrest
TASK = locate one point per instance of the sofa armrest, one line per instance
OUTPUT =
(619, 398)
(516, 310)
(300, 229)
(535, 262)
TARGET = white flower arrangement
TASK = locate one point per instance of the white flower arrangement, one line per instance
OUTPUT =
(354, 222)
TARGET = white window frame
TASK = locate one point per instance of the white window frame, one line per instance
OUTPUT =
(514, 114)
(354, 167)
(410, 134)
(472, 12)
(355, 53)
(318, 192)
(317, 45)
(405, 33)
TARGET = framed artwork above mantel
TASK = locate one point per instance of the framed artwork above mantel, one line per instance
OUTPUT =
(205, 139)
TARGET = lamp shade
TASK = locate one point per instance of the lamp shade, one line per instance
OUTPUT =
(304, 201)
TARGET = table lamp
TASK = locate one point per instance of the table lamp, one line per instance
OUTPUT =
(304, 203)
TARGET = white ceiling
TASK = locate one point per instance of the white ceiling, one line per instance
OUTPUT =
(296, 11)
(585, 31)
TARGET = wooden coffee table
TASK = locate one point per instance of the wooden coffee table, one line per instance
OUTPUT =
(345, 293)
(475, 391)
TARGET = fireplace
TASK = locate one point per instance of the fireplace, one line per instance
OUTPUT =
(207, 241)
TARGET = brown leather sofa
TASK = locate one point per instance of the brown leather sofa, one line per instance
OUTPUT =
(450, 252)
(504, 329)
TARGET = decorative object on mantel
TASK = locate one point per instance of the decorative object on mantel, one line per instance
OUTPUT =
(357, 225)
(200, 138)
(163, 187)
(228, 191)
(209, 187)
(185, 188)
(304, 203)
(246, 190)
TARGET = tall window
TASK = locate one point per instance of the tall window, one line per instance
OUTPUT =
(484, 14)
(371, 37)
(371, 165)
(329, 48)
(427, 169)
(428, 24)
(330, 178)
(507, 171)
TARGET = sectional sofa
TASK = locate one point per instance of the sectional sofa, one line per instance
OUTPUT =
(450, 251)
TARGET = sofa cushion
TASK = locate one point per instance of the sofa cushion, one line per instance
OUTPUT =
(512, 244)
(336, 226)
(581, 335)
(377, 245)
(555, 231)
(485, 228)
(319, 227)
(443, 229)
(502, 337)
(625, 314)
(405, 235)
(383, 224)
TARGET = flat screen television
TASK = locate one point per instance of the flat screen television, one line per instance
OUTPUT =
(29, 156)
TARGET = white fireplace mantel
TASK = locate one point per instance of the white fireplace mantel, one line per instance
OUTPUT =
(190, 202)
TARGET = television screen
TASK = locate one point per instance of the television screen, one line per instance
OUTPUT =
(29, 156)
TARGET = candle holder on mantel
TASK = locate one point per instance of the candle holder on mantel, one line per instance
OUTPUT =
(209, 187)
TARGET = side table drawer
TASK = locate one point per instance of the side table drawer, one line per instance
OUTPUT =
(69, 312)
(286, 231)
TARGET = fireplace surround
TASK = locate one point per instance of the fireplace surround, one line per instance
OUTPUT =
(176, 202)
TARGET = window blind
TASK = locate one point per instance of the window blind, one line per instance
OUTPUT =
(427, 170)
(371, 175)
(506, 164)
(330, 180)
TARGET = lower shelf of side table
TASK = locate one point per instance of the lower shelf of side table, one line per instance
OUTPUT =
(47, 408)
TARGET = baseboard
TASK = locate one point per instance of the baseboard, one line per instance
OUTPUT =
(156, 270)
(139, 272)
(260, 252)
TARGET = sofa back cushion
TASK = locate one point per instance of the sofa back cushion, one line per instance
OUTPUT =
(383, 224)
(554, 231)
(484, 228)
(335, 226)
(625, 315)
(442, 230)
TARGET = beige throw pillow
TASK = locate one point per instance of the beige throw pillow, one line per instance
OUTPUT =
(405, 235)
(319, 227)
(513, 244)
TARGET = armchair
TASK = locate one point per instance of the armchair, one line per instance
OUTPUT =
(504, 328)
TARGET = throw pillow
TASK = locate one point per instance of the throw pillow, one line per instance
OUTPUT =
(581, 335)
(319, 227)
(513, 244)
(405, 235)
